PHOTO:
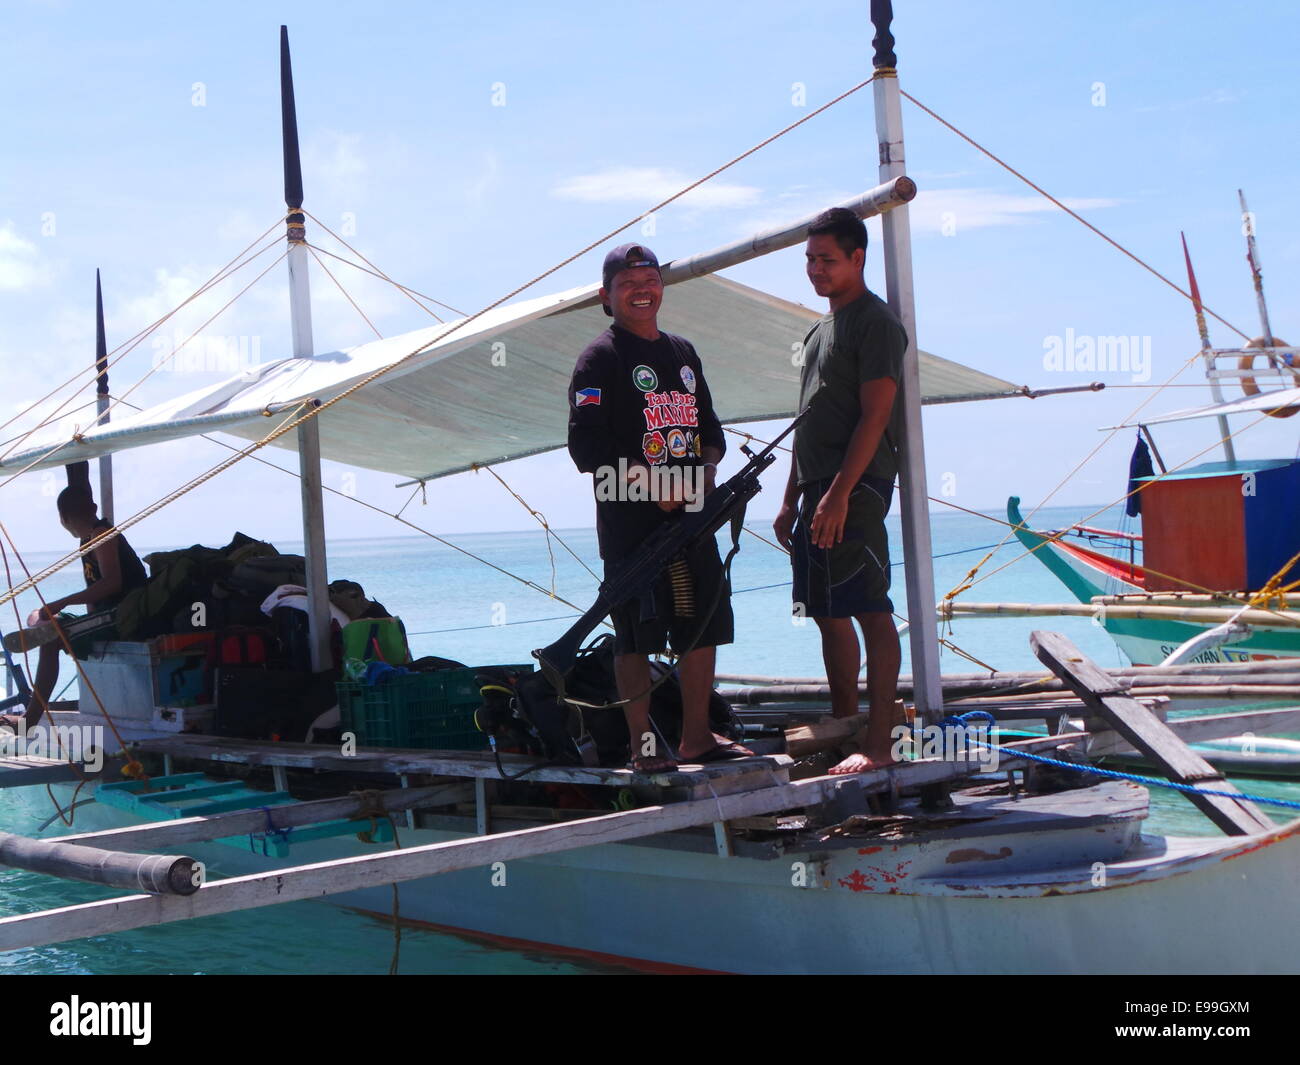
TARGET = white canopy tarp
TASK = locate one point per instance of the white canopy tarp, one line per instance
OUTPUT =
(493, 390)
(1286, 397)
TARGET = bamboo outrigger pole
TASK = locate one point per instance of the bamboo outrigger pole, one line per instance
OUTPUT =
(924, 638)
(313, 503)
(158, 874)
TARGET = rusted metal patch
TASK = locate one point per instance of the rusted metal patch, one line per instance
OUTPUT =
(974, 854)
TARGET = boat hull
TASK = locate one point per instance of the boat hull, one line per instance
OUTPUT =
(1146, 642)
(1092, 898)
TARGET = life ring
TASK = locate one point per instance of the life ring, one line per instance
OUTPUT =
(1247, 362)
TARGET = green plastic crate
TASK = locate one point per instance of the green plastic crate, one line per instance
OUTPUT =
(432, 711)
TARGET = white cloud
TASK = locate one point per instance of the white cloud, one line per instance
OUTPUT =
(478, 190)
(943, 210)
(20, 265)
(646, 186)
(1219, 95)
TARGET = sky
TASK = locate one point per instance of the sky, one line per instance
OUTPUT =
(466, 148)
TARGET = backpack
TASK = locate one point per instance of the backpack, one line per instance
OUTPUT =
(374, 640)
(521, 710)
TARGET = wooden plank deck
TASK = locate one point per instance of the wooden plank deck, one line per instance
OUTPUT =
(721, 776)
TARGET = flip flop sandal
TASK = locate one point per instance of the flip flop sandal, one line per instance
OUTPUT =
(660, 763)
(721, 752)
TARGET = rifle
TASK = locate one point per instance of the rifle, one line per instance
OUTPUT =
(725, 503)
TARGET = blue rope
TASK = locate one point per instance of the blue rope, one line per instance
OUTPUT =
(1153, 782)
(271, 830)
(960, 721)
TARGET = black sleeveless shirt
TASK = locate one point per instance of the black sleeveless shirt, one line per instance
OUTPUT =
(128, 562)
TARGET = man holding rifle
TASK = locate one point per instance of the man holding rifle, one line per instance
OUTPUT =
(842, 479)
(641, 420)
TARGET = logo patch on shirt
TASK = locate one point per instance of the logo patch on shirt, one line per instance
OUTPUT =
(688, 379)
(587, 397)
(654, 448)
(677, 444)
(645, 378)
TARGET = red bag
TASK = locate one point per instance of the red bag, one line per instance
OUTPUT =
(242, 647)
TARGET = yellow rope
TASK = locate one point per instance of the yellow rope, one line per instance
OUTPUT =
(411, 293)
(77, 437)
(345, 292)
(1173, 469)
(410, 525)
(123, 349)
(133, 768)
(1078, 218)
(541, 520)
(316, 408)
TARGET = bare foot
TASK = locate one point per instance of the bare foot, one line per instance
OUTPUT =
(860, 763)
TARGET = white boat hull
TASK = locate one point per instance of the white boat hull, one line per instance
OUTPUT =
(1013, 900)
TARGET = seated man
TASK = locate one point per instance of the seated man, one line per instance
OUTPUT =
(350, 597)
(111, 570)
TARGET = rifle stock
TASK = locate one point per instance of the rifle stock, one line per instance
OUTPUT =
(670, 540)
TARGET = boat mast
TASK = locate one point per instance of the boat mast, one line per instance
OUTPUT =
(1207, 353)
(101, 404)
(923, 635)
(1252, 257)
(313, 504)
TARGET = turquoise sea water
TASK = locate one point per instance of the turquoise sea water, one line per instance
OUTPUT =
(457, 607)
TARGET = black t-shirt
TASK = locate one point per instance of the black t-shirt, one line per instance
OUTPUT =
(862, 342)
(128, 562)
(644, 402)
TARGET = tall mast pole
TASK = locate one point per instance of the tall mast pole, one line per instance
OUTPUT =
(313, 504)
(1252, 257)
(922, 633)
(101, 404)
(1207, 353)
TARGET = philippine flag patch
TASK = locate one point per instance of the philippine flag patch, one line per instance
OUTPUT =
(587, 397)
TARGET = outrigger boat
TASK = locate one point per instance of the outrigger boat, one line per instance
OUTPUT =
(1207, 579)
(974, 857)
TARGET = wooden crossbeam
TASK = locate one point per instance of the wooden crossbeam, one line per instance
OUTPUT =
(1160, 744)
(24, 770)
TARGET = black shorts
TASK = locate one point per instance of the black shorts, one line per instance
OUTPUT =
(852, 577)
(649, 628)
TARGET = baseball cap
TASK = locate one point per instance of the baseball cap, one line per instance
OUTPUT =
(625, 257)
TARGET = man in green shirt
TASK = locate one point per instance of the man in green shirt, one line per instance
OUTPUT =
(842, 479)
